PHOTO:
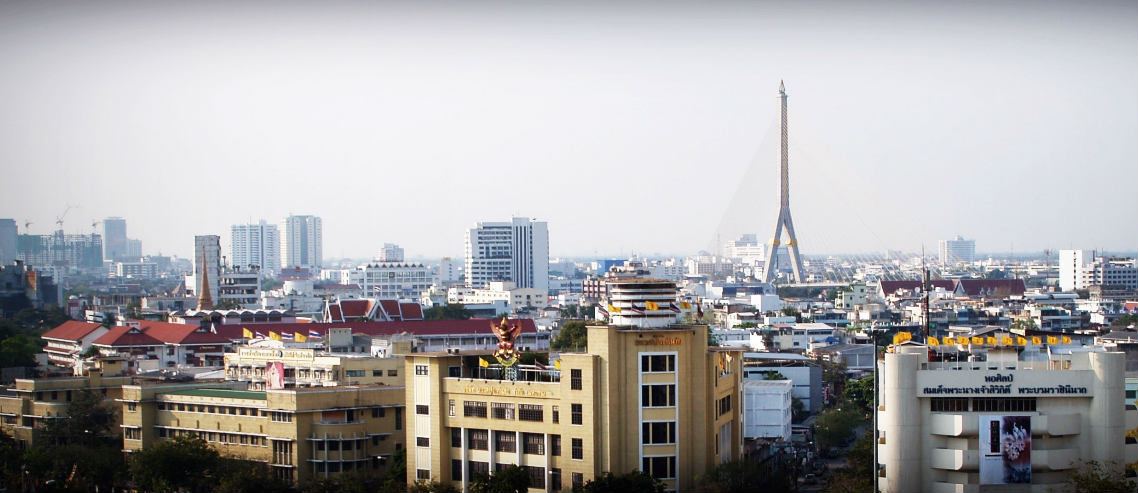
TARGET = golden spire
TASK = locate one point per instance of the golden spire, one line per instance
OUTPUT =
(205, 301)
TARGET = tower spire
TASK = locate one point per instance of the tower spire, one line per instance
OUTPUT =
(205, 300)
(770, 266)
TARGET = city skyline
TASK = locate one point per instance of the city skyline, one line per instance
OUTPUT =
(660, 119)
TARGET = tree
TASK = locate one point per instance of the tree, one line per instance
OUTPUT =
(996, 274)
(1125, 320)
(857, 476)
(242, 476)
(739, 476)
(1025, 324)
(18, 350)
(631, 482)
(835, 426)
(573, 336)
(747, 325)
(1095, 477)
(109, 320)
(860, 393)
(226, 304)
(510, 479)
(431, 487)
(182, 463)
(774, 375)
(791, 311)
(449, 311)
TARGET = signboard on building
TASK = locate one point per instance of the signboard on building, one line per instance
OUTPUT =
(1005, 449)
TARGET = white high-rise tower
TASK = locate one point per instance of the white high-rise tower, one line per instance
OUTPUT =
(256, 244)
(515, 251)
(303, 242)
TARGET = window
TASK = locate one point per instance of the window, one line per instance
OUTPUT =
(398, 418)
(132, 433)
(393, 373)
(949, 404)
(658, 432)
(578, 481)
(999, 404)
(533, 443)
(161, 432)
(555, 445)
(478, 468)
(456, 470)
(660, 467)
(476, 409)
(724, 405)
(578, 449)
(420, 369)
(575, 379)
(422, 441)
(280, 417)
(505, 441)
(556, 415)
(576, 414)
(456, 437)
(555, 478)
(501, 410)
(536, 476)
(663, 395)
(651, 363)
(531, 412)
(423, 474)
(377, 373)
(478, 440)
(132, 406)
(422, 409)
(454, 371)
(355, 373)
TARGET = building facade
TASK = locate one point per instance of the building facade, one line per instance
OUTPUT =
(303, 242)
(114, 238)
(8, 234)
(957, 250)
(256, 245)
(657, 400)
(63, 251)
(515, 251)
(308, 367)
(1019, 421)
(390, 252)
(1081, 269)
(392, 280)
(300, 433)
(767, 409)
(27, 405)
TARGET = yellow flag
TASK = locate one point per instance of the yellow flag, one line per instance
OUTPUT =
(557, 364)
(1021, 341)
(933, 342)
(685, 305)
(947, 340)
(977, 340)
(1007, 341)
(246, 333)
(1066, 339)
(991, 340)
(651, 305)
(613, 309)
(1036, 340)
(300, 337)
(483, 363)
(274, 336)
(1052, 340)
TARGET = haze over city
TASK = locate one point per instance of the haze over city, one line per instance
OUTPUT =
(634, 128)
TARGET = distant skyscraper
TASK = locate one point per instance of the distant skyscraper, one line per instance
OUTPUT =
(957, 250)
(515, 251)
(784, 212)
(207, 255)
(302, 244)
(390, 253)
(114, 238)
(256, 244)
(8, 232)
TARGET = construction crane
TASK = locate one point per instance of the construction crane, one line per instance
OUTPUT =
(94, 226)
(27, 225)
(59, 218)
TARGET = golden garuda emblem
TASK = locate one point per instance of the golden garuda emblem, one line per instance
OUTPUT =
(507, 333)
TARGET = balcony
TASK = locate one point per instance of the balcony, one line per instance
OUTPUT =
(1055, 460)
(953, 459)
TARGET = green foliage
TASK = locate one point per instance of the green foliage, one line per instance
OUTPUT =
(1095, 477)
(529, 358)
(1125, 320)
(631, 482)
(271, 284)
(18, 350)
(860, 394)
(449, 311)
(797, 410)
(511, 479)
(747, 325)
(227, 304)
(573, 336)
(431, 487)
(791, 311)
(857, 476)
(996, 274)
(109, 320)
(20, 334)
(1025, 324)
(241, 476)
(834, 426)
(182, 463)
(740, 476)
(90, 422)
(774, 375)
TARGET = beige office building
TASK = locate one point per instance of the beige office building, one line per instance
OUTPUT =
(30, 403)
(300, 433)
(653, 399)
(307, 367)
(1018, 421)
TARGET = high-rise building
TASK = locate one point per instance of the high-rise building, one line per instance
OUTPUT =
(207, 255)
(8, 232)
(256, 245)
(515, 251)
(61, 250)
(390, 253)
(957, 250)
(302, 244)
(1081, 269)
(114, 238)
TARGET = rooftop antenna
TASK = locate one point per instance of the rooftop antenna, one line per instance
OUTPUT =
(925, 288)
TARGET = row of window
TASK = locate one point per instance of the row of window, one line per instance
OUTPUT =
(506, 411)
(347, 444)
(658, 395)
(211, 436)
(724, 405)
(981, 404)
(536, 474)
(658, 363)
(506, 441)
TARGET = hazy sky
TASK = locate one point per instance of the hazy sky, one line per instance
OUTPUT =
(643, 127)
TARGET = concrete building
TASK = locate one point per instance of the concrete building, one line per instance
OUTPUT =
(451, 272)
(310, 367)
(392, 280)
(654, 399)
(240, 285)
(114, 239)
(497, 291)
(27, 405)
(136, 270)
(643, 303)
(301, 433)
(8, 234)
(67, 343)
(515, 251)
(67, 252)
(857, 295)
(390, 252)
(767, 409)
(256, 245)
(957, 250)
(805, 375)
(302, 245)
(1019, 421)
(1081, 269)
